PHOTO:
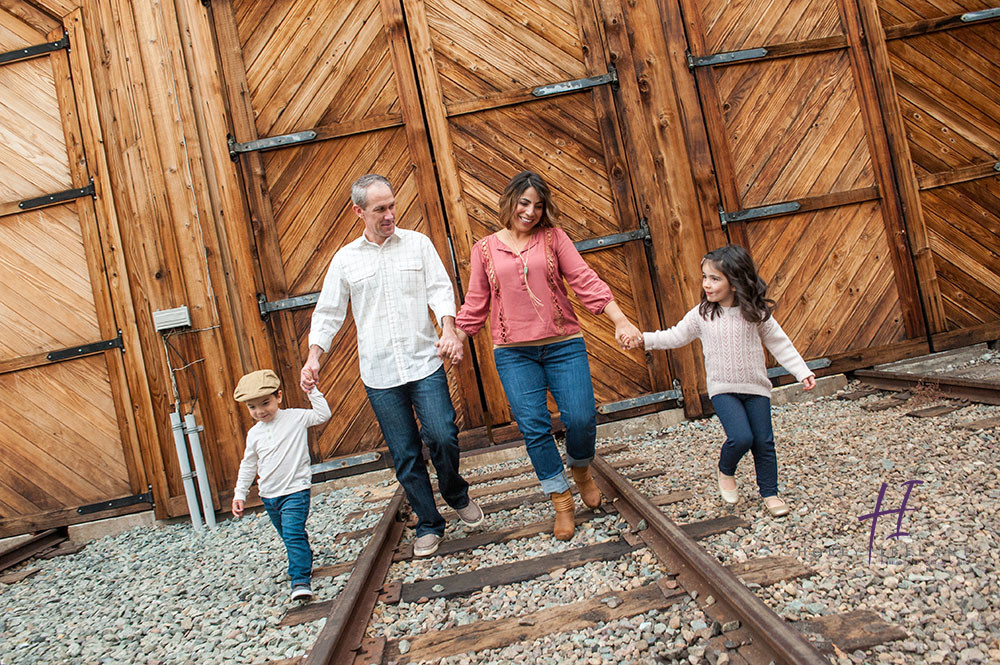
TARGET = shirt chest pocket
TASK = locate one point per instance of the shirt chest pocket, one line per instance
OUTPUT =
(360, 273)
(409, 269)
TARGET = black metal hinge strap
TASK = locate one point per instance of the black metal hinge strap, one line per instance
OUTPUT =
(58, 197)
(641, 233)
(86, 349)
(644, 400)
(34, 51)
(124, 501)
(971, 17)
(757, 213)
(269, 142)
(819, 363)
(576, 84)
(726, 58)
(297, 302)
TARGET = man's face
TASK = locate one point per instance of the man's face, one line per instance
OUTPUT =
(380, 214)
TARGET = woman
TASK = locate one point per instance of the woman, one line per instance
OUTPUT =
(517, 281)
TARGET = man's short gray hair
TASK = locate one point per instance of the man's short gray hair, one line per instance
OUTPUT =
(359, 190)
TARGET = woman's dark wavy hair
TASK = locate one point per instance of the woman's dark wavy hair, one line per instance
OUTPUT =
(749, 289)
(517, 186)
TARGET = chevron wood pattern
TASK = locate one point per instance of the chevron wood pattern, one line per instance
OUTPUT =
(59, 439)
(963, 223)
(836, 291)
(315, 63)
(484, 47)
(733, 26)
(44, 262)
(896, 12)
(794, 127)
(950, 106)
(16, 34)
(32, 144)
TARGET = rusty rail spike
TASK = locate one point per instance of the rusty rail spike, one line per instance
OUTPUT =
(789, 646)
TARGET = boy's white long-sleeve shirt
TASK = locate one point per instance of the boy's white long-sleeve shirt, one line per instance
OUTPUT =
(278, 451)
(734, 357)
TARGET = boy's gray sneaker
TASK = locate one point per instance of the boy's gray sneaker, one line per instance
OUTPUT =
(302, 591)
(426, 544)
(471, 515)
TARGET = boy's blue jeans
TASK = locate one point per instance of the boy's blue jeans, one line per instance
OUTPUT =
(747, 422)
(394, 408)
(561, 368)
(288, 515)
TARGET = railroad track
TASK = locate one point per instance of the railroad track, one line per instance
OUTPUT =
(975, 390)
(743, 630)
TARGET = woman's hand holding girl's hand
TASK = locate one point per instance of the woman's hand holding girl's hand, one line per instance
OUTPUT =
(627, 335)
(809, 382)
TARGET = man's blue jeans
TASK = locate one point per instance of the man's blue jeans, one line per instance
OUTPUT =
(394, 408)
(747, 422)
(561, 368)
(288, 515)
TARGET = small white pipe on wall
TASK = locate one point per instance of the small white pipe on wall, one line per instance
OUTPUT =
(192, 429)
(186, 475)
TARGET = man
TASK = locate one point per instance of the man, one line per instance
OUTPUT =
(391, 276)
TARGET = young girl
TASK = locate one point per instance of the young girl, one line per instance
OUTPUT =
(732, 320)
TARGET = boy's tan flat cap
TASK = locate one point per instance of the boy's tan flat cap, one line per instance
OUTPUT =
(256, 384)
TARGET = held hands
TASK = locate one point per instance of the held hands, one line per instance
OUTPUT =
(309, 375)
(237, 508)
(809, 382)
(451, 344)
(628, 336)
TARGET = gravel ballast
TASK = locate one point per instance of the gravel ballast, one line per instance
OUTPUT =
(168, 595)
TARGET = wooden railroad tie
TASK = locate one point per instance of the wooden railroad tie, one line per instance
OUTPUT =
(890, 402)
(459, 584)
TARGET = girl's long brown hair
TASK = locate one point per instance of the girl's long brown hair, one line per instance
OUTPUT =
(517, 186)
(749, 289)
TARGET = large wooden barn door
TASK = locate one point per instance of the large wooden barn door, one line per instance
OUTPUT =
(65, 434)
(513, 86)
(937, 66)
(804, 172)
(338, 78)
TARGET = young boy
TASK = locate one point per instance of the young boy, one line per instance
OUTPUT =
(278, 451)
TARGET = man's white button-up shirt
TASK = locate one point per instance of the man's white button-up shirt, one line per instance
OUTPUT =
(390, 287)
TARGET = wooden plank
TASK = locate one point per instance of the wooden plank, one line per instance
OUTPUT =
(926, 26)
(857, 394)
(887, 403)
(852, 631)
(470, 403)
(480, 539)
(61, 517)
(562, 619)
(333, 570)
(464, 584)
(769, 570)
(706, 528)
(897, 152)
(982, 424)
(40, 21)
(935, 411)
(14, 578)
(128, 373)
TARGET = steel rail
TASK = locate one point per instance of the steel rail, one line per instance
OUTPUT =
(345, 627)
(978, 391)
(788, 646)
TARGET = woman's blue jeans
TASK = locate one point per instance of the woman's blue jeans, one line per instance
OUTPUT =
(747, 422)
(394, 408)
(561, 368)
(288, 515)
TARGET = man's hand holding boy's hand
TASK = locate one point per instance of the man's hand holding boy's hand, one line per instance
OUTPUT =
(237, 508)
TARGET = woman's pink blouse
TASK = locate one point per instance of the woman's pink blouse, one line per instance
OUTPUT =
(497, 289)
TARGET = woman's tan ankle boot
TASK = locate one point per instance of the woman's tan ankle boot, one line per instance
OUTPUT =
(589, 492)
(565, 520)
